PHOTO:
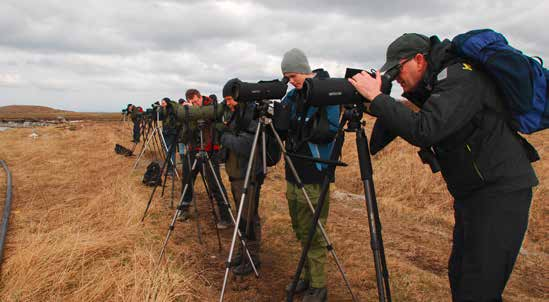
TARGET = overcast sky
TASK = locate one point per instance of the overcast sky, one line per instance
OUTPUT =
(100, 55)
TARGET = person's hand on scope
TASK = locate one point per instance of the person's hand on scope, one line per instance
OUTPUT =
(366, 85)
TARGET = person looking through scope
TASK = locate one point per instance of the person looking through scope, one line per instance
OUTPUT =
(169, 132)
(237, 139)
(136, 114)
(190, 135)
(486, 165)
(305, 138)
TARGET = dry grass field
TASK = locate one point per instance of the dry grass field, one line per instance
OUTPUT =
(75, 232)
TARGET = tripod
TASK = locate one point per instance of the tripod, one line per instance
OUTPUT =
(156, 136)
(163, 171)
(199, 166)
(148, 125)
(265, 119)
(352, 117)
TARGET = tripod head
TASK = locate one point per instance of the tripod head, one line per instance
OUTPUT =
(263, 108)
(201, 124)
(352, 116)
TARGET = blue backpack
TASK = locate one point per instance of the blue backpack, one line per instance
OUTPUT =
(523, 80)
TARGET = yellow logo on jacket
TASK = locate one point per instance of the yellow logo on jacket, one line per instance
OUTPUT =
(467, 67)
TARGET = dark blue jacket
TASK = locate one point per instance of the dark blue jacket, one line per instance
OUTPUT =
(309, 171)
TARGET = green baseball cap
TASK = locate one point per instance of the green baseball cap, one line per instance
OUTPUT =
(405, 46)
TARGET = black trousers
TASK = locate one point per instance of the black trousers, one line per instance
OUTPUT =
(136, 130)
(170, 139)
(488, 233)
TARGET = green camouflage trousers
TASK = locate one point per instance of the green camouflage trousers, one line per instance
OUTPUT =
(302, 217)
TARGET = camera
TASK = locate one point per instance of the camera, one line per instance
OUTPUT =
(244, 92)
(185, 114)
(338, 91)
(155, 105)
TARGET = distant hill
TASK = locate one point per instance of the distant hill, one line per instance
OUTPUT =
(29, 109)
(38, 113)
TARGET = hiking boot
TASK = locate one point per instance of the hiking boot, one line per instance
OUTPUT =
(245, 268)
(302, 285)
(185, 214)
(224, 224)
(316, 295)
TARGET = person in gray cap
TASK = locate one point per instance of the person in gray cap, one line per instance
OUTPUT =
(304, 140)
(461, 119)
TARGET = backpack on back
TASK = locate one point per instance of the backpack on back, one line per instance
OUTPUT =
(153, 175)
(523, 80)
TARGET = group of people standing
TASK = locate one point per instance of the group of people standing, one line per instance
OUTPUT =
(457, 114)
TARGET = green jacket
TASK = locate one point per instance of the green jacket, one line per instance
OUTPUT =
(186, 119)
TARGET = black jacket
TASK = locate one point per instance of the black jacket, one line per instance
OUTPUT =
(238, 139)
(462, 118)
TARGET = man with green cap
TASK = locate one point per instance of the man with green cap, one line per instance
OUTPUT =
(461, 119)
(303, 140)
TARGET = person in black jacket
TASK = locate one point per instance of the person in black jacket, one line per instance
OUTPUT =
(486, 165)
(237, 139)
(136, 115)
(170, 137)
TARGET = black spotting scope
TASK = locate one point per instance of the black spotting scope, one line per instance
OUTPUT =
(338, 91)
(250, 92)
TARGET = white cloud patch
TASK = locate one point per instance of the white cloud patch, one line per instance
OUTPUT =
(101, 55)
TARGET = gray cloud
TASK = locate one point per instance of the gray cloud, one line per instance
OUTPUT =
(100, 55)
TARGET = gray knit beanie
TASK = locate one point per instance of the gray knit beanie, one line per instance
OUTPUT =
(295, 61)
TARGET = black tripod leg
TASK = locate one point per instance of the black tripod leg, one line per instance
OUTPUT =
(336, 152)
(154, 147)
(178, 211)
(165, 174)
(193, 174)
(210, 197)
(145, 135)
(171, 151)
(154, 190)
(260, 128)
(146, 142)
(173, 192)
(376, 242)
(159, 145)
(226, 202)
